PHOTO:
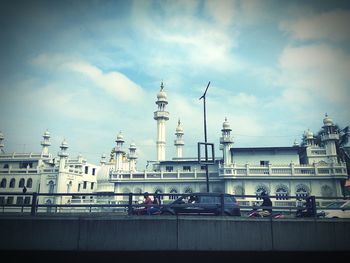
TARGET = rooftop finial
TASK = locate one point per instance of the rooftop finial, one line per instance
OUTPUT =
(161, 86)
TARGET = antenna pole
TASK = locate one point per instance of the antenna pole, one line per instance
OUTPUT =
(205, 137)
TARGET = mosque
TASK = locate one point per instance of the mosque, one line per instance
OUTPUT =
(280, 171)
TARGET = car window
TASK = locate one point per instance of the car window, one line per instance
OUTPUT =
(229, 200)
(210, 199)
(347, 206)
(335, 205)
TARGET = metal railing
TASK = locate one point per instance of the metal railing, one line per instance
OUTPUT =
(125, 203)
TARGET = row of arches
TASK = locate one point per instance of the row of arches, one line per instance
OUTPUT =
(282, 191)
(21, 183)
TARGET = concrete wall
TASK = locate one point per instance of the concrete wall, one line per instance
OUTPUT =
(119, 233)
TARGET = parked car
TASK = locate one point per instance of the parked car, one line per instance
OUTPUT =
(202, 203)
(338, 209)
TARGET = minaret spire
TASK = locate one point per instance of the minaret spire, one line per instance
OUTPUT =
(119, 152)
(161, 116)
(1, 143)
(179, 143)
(226, 141)
(45, 143)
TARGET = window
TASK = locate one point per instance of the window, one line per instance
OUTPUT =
(186, 168)
(264, 163)
(203, 167)
(86, 169)
(19, 200)
(84, 184)
(51, 187)
(10, 200)
(6, 166)
(168, 168)
(2, 200)
(29, 183)
(3, 183)
(92, 185)
(21, 183)
(12, 183)
(25, 164)
(302, 191)
(79, 185)
(173, 191)
(93, 171)
(27, 200)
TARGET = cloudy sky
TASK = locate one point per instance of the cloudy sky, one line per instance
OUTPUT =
(86, 70)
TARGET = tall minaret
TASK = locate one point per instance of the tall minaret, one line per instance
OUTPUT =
(329, 137)
(45, 143)
(63, 154)
(1, 143)
(161, 116)
(132, 157)
(119, 152)
(179, 143)
(226, 140)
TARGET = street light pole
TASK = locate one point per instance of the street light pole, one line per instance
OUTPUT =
(205, 137)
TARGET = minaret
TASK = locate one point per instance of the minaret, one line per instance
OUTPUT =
(226, 140)
(1, 143)
(161, 116)
(329, 137)
(45, 143)
(132, 157)
(63, 154)
(119, 152)
(310, 140)
(103, 160)
(179, 143)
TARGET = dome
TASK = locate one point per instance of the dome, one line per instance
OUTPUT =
(120, 137)
(309, 134)
(46, 133)
(327, 121)
(64, 144)
(132, 146)
(161, 94)
(226, 124)
(179, 128)
(1, 136)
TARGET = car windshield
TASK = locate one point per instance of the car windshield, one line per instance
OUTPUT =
(335, 205)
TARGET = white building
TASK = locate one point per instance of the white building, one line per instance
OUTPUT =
(281, 171)
(44, 173)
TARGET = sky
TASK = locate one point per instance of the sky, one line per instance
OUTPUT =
(87, 70)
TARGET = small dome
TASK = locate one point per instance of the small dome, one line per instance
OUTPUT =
(120, 137)
(46, 133)
(179, 128)
(132, 146)
(226, 124)
(309, 134)
(1, 136)
(161, 94)
(327, 121)
(64, 144)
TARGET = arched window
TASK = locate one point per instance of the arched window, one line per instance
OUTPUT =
(188, 190)
(6, 166)
(21, 183)
(3, 183)
(302, 191)
(29, 183)
(69, 186)
(51, 187)
(173, 191)
(12, 183)
(261, 188)
(282, 192)
(326, 191)
(239, 190)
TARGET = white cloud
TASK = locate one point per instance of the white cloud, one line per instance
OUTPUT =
(332, 25)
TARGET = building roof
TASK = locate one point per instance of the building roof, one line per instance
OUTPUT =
(263, 149)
